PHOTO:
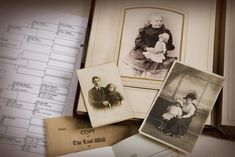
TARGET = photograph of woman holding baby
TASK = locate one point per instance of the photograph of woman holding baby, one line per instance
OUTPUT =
(149, 57)
(153, 40)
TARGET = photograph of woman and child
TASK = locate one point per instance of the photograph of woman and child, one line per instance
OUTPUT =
(149, 57)
(104, 97)
(176, 120)
(180, 111)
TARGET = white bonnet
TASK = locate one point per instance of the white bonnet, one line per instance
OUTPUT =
(165, 36)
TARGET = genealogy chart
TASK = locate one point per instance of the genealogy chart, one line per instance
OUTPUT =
(39, 54)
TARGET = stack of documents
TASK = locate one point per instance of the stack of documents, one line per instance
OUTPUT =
(40, 57)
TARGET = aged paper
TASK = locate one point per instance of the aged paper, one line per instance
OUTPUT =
(141, 147)
(134, 146)
(112, 43)
(179, 112)
(103, 92)
(39, 53)
(68, 135)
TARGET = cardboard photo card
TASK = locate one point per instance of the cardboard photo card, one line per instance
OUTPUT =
(104, 96)
(180, 110)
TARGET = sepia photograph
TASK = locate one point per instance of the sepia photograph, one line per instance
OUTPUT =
(180, 110)
(104, 96)
(114, 31)
(101, 97)
(151, 41)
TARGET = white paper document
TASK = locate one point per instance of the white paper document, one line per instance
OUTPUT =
(140, 146)
(39, 53)
(134, 146)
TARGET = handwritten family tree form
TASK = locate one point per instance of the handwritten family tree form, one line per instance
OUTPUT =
(39, 53)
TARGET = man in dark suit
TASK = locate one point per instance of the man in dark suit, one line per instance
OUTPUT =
(97, 95)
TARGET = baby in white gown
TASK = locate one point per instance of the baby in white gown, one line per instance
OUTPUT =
(160, 45)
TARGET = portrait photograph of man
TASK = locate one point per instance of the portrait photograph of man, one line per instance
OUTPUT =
(103, 95)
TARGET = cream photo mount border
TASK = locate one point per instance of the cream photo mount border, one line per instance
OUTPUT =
(105, 38)
(134, 82)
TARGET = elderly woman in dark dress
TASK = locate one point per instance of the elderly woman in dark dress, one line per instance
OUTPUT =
(146, 41)
(178, 126)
